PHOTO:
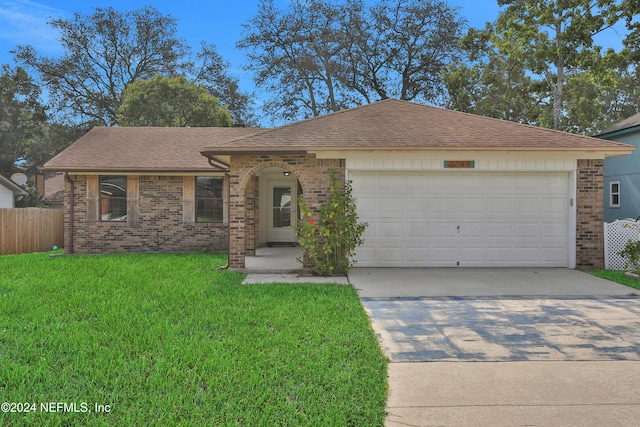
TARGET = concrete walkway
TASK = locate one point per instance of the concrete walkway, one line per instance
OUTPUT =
(567, 328)
(514, 394)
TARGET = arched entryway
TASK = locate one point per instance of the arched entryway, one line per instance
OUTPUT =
(263, 193)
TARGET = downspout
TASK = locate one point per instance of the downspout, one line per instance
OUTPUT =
(226, 267)
(72, 196)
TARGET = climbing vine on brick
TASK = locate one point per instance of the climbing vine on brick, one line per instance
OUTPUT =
(332, 238)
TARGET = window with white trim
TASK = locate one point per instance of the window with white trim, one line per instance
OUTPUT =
(614, 194)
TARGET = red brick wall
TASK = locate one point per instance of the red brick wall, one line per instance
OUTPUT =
(590, 215)
(313, 176)
(160, 227)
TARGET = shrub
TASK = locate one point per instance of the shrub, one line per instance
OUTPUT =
(631, 251)
(631, 254)
(331, 240)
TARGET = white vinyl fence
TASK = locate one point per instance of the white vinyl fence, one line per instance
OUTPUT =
(616, 236)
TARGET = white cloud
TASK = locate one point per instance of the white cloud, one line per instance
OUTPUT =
(25, 22)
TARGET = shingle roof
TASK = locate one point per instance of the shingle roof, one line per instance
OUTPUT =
(384, 125)
(157, 149)
(628, 123)
(15, 188)
(401, 125)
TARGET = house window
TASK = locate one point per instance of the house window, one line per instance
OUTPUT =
(209, 199)
(614, 194)
(113, 198)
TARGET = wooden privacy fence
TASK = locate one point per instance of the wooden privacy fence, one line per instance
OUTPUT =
(25, 230)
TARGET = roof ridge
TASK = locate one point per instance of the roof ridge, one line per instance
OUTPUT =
(314, 118)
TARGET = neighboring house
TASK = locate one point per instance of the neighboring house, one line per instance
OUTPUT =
(622, 174)
(438, 188)
(8, 192)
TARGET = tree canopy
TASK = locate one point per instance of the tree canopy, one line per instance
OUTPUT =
(22, 118)
(317, 57)
(541, 56)
(108, 50)
(170, 101)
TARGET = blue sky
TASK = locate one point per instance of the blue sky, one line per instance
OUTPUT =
(218, 22)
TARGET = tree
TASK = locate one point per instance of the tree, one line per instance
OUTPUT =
(554, 38)
(294, 56)
(108, 50)
(104, 53)
(22, 117)
(170, 101)
(399, 48)
(212, 72)
(492, 85)
(319, 57)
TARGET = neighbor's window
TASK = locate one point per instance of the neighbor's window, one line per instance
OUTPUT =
(209, 199)
(614, 194)
(113, 198)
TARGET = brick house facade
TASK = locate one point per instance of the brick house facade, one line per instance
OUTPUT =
(590, 214)
(387, 142)
(161, 224)
(313, 177)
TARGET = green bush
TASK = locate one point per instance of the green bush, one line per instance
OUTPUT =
(631, 254)
(331, 240)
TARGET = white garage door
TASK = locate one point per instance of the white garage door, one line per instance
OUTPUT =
(472, 219)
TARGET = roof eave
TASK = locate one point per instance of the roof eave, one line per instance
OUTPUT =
(620, 150)
(614, 133)
(235, 151)
(136, 171)
(11, 185)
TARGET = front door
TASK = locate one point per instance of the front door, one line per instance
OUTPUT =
(282, 211)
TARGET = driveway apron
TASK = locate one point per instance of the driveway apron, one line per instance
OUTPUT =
(567, 343)
(513, 315)
(506, 329)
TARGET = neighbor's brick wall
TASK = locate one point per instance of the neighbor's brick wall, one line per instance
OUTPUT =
(160, 226)
(590, 215)
(313, 176)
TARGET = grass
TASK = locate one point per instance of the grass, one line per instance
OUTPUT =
(616, 276)
(170, 340)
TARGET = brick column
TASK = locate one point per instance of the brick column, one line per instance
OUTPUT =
(236, 223)
(590, 215)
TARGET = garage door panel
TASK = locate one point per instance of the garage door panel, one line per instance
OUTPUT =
(389, 206)
(557, 231)
(416, 255)
(471, 218)
(420, 205)
(552, 254)
(389, 229)
(499, 230)
(499, 204)
(416, 230)
(472, 205)
(389, 255)
(442, 229)
(389, 184)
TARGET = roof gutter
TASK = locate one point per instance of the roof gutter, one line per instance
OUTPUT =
(617, 146)
(131, 171)
(617, 132)
(226, 266)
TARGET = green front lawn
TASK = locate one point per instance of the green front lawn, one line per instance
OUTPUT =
(170, 340)
(616, 276)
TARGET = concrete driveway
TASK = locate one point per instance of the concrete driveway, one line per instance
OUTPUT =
(569, 344)
(473, 282)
